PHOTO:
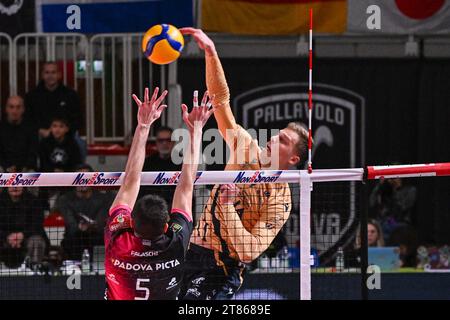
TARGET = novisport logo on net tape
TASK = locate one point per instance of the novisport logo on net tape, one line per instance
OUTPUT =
(19, 179)
(98, 178)
(164, 179)
(257, 177)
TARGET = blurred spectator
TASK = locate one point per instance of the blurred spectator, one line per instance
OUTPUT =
(405, 237)
(18, 138)
(52, 99)
(85, 210)
(375, 238)
(162, 161)
(21, 226)
(392, 203)
(59, 151)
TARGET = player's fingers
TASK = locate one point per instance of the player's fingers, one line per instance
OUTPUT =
(184, 108)
(209, 113)
(187, 30)
(136, 99)
(161, 98)
(162, 107)
(185, 115)
(195, 99)
(155, 95)
(146, 95)
(205, 99)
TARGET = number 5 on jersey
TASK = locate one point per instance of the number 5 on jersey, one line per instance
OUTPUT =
(140, 288)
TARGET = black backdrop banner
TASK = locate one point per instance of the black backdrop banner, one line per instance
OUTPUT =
(404, 102)
(17, 16)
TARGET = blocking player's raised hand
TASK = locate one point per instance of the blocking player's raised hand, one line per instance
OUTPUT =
(199, 115)
(150, 109)
(203, 41)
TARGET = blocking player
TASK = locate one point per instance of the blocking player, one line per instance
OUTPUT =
(145, 246)
(238, 223)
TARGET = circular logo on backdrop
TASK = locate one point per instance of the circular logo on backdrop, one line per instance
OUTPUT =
(10, 7)
(338, 122)
(419, 9)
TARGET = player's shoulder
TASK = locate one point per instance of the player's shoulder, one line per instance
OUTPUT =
(180, 215)
(120, 218)
(180, 221)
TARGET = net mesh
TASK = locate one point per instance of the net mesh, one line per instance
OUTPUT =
(49, 234)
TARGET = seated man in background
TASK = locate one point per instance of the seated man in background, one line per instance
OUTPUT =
(21, 227)
(18, 138)
(161, 161)
(52, 99)
(85, 211)
(59, 151)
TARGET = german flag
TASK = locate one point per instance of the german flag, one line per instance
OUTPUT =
(273, 17)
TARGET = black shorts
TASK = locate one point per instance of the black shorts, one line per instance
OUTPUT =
(205, 280)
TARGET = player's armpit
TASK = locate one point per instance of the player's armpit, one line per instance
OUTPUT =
(273, 215)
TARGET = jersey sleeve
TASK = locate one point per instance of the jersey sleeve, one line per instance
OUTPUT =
(119, 218)
(181, 225)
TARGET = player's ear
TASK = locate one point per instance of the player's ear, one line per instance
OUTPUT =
(166, 226)
(294, 160)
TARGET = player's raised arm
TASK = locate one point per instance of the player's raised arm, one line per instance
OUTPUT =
(149, 111)
(195, 120)
(215, 81)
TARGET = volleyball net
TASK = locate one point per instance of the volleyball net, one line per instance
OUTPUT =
(315, 224)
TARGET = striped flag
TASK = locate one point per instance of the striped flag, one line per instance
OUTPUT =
(401, 16)
(273, 17)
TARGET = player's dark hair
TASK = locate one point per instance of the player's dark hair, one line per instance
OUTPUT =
(61, 119)
(150, 215)
(50, 63)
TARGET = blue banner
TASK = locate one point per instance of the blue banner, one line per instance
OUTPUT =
(112, 16)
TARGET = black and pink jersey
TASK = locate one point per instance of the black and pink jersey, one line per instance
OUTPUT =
(139, 269)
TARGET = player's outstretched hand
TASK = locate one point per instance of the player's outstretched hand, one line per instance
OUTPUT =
(150, 110)
(199, 114)
(203, 41)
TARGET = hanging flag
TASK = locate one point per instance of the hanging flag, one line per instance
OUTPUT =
(104, 16)
(273, 17)
(401, 16)
(16, 16)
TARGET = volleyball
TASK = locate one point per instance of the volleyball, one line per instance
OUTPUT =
(162, 43)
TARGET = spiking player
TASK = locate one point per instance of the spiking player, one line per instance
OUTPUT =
(145, 246)
(238, 225)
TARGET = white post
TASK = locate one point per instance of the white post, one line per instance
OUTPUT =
(305, 235)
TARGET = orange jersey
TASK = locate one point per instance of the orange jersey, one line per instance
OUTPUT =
(246, 229)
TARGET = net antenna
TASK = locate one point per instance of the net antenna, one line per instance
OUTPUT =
(305, 193)
(310, 106)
